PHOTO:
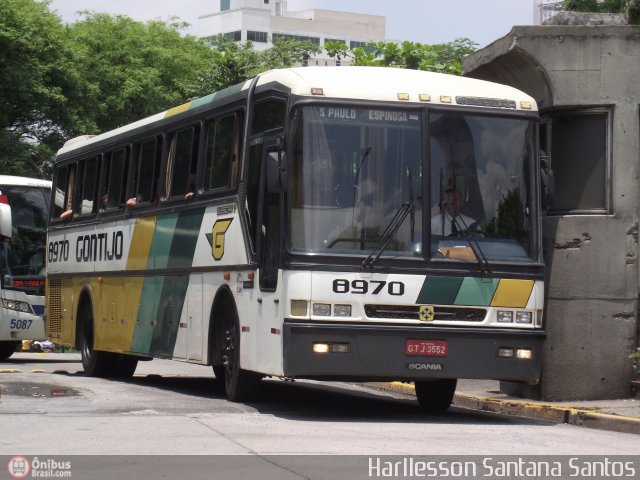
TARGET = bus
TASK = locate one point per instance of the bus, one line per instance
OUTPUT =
(288, 227)
(24, 214)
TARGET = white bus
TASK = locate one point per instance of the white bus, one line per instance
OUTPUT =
(347, 223)
(24, 213)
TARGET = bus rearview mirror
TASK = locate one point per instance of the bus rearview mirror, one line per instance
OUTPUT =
(277, 174)
(6, 225)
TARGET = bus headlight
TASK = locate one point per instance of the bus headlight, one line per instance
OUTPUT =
(524, 317)
(16, 305)
(322, 309)
(505, 316)
(342, 310)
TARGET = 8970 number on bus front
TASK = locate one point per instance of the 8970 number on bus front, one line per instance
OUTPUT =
(362, 287)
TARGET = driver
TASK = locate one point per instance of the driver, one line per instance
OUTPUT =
(451, 221)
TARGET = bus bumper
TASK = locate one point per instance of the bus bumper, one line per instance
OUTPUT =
(21, 326)
(377, 353)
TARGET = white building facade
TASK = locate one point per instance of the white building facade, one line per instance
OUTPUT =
(260, 21)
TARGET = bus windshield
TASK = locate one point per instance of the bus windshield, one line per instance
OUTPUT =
(353, 168)
(22, 258)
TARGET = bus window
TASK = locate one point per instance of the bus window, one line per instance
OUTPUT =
(65, 183)
(220, 153)
(88, 177)
(145, 171)
(268, 115)
(180, 179)
(61, 191)
(113, 186)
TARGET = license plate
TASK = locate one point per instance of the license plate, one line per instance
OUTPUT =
(426, 348)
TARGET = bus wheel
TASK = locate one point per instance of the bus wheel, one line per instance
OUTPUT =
(95, 363)
(218, 371)
(240, 385)
(122, 366)
(7, 349)
(435, 395)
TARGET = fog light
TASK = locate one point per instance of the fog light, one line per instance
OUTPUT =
(505, 352)
(342, 310)
(320, 348)
(340, 347)
(323, 309)
(299, 308)
(523, 317)
(505, 316)
(524, 353)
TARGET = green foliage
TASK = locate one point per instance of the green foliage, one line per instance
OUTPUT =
(439, 57)
(133, 69)
(287, 53)
(597, 6)
(230, 63)
(336, 49)
(37, 82)
(633, 12)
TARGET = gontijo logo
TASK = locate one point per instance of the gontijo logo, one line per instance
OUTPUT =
(18, 467)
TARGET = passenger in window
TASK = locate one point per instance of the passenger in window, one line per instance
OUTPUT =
(68, 210)
(450, 220)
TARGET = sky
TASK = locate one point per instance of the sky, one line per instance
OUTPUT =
(425, 21)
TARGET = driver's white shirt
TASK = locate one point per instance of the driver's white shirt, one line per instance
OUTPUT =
(462, 222)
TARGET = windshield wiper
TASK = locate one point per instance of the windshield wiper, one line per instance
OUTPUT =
(389, 232)
(473, 244)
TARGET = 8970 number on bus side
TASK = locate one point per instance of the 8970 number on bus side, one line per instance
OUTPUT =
(362, 287)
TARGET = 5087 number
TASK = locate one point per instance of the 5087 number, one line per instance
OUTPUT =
(362, 287)
(20, 324)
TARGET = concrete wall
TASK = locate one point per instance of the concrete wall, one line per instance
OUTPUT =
(592, 310)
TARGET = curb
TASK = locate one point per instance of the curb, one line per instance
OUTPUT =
(539, 411)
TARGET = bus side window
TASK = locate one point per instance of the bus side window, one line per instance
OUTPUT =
(115, 168)
(88, 175)
(65, 191)
(268, 115)
(221, 154)
(144, 182)
(180, 180)
(61, 188)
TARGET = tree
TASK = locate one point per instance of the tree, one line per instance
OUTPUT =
(37, 87)
(134, 69)
(439, 57)
(230, 63)
(287, 52)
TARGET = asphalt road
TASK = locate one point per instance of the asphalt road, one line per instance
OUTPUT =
(48, 407)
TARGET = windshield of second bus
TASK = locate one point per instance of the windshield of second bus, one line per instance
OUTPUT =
(22, 258)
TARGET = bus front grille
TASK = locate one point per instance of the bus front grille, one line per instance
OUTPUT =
(54, 307)
(412, 312)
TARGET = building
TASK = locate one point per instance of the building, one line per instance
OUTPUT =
(584, 79)
(260, 21)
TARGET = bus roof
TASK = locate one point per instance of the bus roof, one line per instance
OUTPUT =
(23, 182)
(356, 83)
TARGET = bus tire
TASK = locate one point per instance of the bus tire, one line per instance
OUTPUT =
(240, 385)
(122, 366)
(7, 349)
(218, 372)
(95, 363)
(435, 396)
